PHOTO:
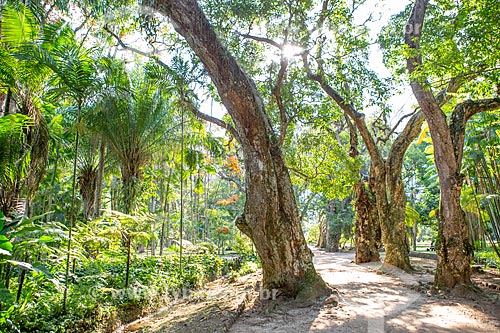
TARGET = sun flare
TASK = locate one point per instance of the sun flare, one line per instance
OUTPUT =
(289, 51)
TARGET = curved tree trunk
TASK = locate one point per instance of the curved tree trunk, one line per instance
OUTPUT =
(386, 175)
(453, 247)
(271, 217)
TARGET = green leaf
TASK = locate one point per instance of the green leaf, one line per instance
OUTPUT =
(5, 294)
(210, 169)
(5, 244)
(18, 25)
(45, 239)
(199, 186)
(30, 267)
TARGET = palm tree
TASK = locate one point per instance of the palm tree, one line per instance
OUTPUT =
(13, 159)
(23, 81)
(74, 77)
(131, 122)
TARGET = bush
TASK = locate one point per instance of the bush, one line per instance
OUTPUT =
(97, 299)
(487, 257)
(248, 267)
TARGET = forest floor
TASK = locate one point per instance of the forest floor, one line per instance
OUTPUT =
(371, 298)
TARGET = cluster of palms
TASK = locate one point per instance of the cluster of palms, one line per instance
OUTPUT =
(42, 66)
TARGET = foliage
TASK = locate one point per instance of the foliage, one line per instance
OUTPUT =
(59, 63)
(97, 300)
(487, 257)
(14, 159)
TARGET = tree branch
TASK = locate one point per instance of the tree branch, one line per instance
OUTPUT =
(124, 46)
(400, 145)
(223, 176)
(474, 107)
(190, 106)
(357, 117)
(396, 126)
(263, 40)
(462, 113)
(185, 102)
(300, 173)
(353, 137)
(279, 100)
(420, 85)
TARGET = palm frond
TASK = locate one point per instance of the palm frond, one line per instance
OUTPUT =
(18, 25)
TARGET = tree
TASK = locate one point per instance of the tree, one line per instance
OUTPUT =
(130, 123)
(13, 160)
(466, 36)
(271, 217)
(24, 82)
(333, 75)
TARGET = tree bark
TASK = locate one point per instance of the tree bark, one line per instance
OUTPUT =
(271, 217)
(453, 246)
(87, 182)
(321, 244)
(367, 233)
(367, 229)
(334, 226)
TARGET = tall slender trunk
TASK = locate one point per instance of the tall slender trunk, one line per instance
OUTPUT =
(52, 185)
(153, 227)
(166, 212)
(191, 206)
(99, 179)
(22, 277)
(415, 231)
(206, 229)
(129, 254)
(8, 98)
(74, 210)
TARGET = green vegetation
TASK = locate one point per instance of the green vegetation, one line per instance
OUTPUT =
(136, 163)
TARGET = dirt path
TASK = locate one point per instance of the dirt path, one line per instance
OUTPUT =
(371, 299)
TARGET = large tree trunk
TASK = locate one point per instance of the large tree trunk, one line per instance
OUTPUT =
(271, 217)
(335, 225)
(393, 226)
(454, 249)
(453, 245)
(271, 220)
(367, 229)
